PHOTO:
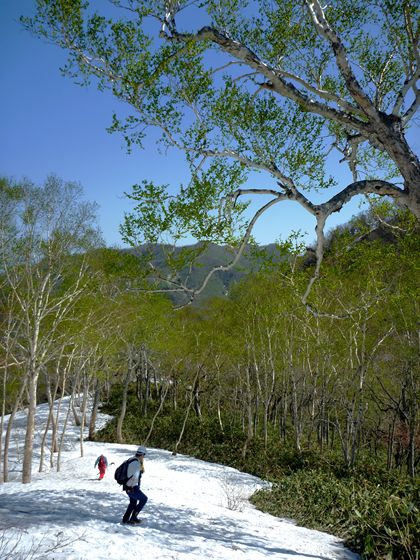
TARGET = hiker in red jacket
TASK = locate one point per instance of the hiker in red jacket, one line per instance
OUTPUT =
(102, 463)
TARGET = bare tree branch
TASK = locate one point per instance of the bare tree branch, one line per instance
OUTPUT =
(273, 75)
(244, 242)
(408, 84)
(411, 111)
(326, 31)
(327, 95)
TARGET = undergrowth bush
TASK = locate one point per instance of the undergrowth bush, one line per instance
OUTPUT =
(380, 521)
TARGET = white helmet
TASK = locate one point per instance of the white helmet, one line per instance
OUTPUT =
(140, 451)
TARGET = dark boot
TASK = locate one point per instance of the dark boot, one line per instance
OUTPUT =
(129, 512)
(134, 519)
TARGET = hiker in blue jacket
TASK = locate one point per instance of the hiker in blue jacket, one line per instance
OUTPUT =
(132, 487)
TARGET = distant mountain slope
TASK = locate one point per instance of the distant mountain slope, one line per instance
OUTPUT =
(212, 256)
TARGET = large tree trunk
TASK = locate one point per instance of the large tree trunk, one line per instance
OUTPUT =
(30, 429)
(390, 135)
(9, 431)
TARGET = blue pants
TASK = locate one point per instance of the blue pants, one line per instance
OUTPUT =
(137, 502)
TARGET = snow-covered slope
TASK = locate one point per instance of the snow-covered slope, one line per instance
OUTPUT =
(196, 510)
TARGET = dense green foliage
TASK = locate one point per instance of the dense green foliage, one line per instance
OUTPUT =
(375, 513)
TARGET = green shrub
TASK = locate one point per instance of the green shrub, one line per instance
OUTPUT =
(380, 521)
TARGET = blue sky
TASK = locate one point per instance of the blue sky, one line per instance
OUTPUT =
(51, 125)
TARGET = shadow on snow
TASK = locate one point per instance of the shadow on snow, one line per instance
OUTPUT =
(176, 525)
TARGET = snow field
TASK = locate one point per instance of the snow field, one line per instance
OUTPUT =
(196, 510)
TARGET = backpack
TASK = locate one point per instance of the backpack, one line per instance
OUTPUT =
(101, 463)
(120, 474)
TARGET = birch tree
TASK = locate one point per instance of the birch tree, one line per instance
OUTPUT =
(48, 224)
(246, 87)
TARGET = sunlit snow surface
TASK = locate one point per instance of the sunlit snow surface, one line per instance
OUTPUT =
(196, 510)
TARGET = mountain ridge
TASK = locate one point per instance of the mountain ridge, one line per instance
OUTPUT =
(208, 256)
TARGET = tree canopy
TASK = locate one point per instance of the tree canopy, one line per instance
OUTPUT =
(277, 88)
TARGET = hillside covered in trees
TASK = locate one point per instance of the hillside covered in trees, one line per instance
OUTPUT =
(322, 401)
(207, 257)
